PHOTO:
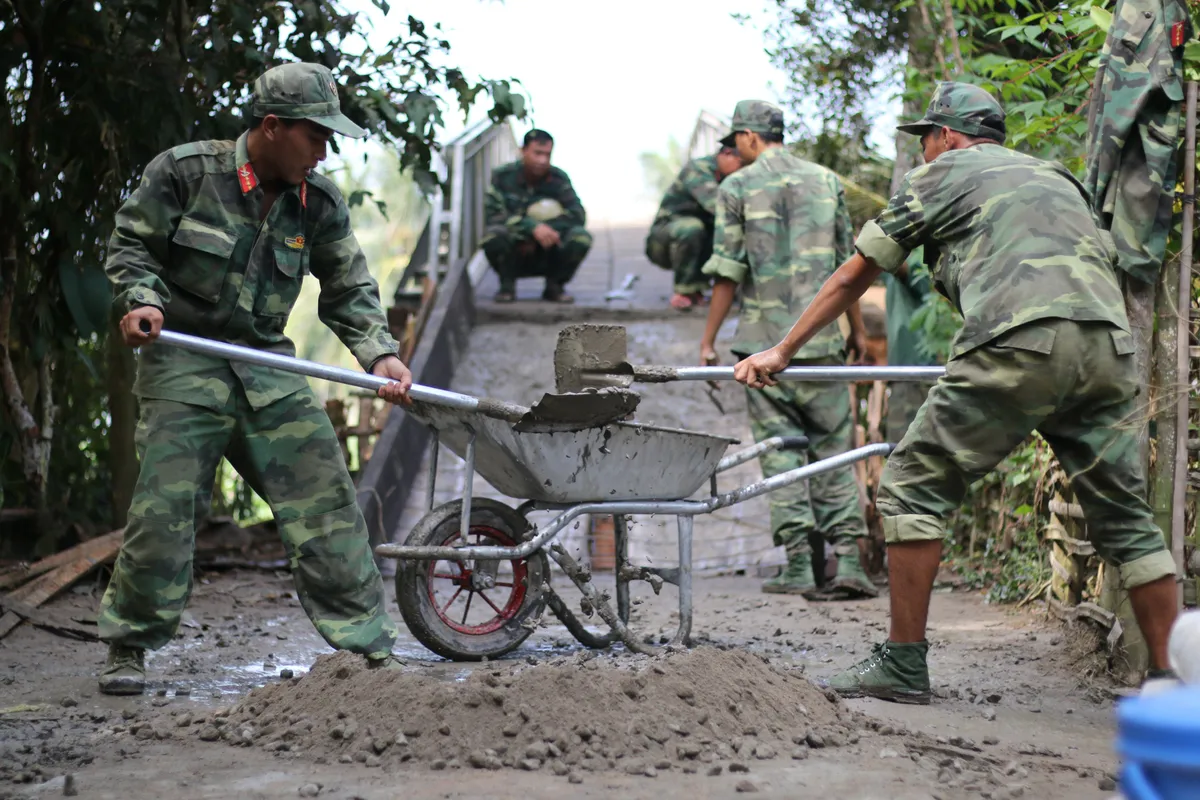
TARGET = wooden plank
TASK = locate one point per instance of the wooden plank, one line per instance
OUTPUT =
(42, 588)
(100, 544)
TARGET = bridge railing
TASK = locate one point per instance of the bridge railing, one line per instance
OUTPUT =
(433, 310)
(707, 133)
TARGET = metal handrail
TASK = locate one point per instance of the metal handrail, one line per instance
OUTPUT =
(710, 128)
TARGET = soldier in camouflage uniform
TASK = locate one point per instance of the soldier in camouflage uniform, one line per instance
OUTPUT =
(781, 229)
(1045, 346)
(215, 242)
(906, 292)
(535, 223)
(681, 236)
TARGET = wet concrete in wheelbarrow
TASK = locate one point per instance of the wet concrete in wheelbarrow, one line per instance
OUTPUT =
(1015, 713)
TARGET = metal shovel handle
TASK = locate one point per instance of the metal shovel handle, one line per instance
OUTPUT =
(667, 374)
(313, 369)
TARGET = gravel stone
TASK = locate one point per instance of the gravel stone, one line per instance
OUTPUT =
(746, 787)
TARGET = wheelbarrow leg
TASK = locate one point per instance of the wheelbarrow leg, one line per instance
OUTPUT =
(685, 580)
(621, 537)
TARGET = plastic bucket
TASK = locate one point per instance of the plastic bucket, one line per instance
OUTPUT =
(1158, 740)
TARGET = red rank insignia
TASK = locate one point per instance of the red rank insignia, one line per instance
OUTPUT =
(1177, 34)
(246, 177)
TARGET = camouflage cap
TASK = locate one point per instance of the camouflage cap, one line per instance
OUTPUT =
(758, 116)
(302, 91)
(961, 107)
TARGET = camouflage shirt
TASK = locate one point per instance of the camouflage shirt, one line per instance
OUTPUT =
(782, 228)
(509, 196)
(189, 241)
(693, 193)
(1014, 237)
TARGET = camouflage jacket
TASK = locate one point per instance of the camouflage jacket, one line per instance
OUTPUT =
(509, 196)
(782, 228)
(189, 241)
(1136, 95)
(1014, 237)
(693, 193)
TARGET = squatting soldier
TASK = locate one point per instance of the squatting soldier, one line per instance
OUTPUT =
(681, 236)
(906, 292)
(1044, 346)
(535, 223)
(215, 242)
(781, 229)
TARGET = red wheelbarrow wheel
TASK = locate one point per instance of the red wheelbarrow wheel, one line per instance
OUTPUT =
(469, 611)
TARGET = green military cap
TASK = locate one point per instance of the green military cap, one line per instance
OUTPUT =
(961, 107)
(757, 116)
(302, 91)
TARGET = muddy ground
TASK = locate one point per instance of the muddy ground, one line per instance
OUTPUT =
(1016, 712)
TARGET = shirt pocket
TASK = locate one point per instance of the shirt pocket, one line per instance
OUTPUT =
(201, 259)
(286, 278)
(1122, 342)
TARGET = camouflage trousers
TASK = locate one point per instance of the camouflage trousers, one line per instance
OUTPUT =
(904, 400)
(1074, 383)
(292, 451)
(682, 245)
(827, 504)
(514, 258)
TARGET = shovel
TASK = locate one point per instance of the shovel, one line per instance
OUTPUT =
(589, 356)
(553, 413)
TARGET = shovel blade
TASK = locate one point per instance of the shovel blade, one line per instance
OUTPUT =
(590, 356)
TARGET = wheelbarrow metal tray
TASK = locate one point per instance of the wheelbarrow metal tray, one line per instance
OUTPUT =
(615, 462)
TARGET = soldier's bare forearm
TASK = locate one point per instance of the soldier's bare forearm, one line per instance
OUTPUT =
(718, 308)
(837, 295)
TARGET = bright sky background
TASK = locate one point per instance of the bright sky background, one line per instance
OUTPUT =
(608, 80)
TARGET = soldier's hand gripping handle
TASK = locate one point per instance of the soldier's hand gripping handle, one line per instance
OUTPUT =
(141, 325)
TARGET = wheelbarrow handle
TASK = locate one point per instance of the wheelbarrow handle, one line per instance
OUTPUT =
(313, 369)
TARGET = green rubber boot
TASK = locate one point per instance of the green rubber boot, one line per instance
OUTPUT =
(852, 581)
(896, 672)
(796, 578)
(125, 671)
(386, 662)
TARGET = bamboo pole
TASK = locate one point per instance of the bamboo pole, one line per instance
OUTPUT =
(1182, 321)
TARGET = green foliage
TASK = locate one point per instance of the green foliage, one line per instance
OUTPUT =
(660, 169)
(92, 92)
(993, 539)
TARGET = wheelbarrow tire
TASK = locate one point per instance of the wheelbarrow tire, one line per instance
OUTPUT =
(501, 525)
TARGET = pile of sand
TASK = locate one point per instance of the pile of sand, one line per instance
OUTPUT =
(685, 709)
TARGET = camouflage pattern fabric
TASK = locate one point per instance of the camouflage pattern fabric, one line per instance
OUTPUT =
(829, 502)
(508, 239)
(904, 400)
(1016, 240)
(681, 235)
(188, 241)
(1074, 383)
(302, 90)
(293, 453)
(782, 228)
(961, 107)
(1134, 125)
(756, 116)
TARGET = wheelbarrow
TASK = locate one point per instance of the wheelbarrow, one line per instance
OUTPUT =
(481, 555)
(473, 580)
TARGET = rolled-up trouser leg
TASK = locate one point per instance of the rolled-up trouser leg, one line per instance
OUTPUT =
(563, 261)
(500, 250)
(1074, 383)
(179, 446)
(295, 452)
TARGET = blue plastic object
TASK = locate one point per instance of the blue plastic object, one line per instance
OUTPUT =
(1158, 740)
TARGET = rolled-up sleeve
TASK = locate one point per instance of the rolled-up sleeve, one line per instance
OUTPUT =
(898, 230)
(729, 259)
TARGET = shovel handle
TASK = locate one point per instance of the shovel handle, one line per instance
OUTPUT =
(313, 369)
(666, 374)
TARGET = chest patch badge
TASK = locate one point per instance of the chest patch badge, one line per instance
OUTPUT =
(295, 242)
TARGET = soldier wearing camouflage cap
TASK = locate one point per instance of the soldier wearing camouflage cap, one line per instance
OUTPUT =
(536, 225)
(1044, 346)
(216, 241)
(782, 227)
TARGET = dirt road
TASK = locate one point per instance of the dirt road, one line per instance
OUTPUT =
(1013, 716)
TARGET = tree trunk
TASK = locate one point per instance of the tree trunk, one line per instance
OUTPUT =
(122, 409)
